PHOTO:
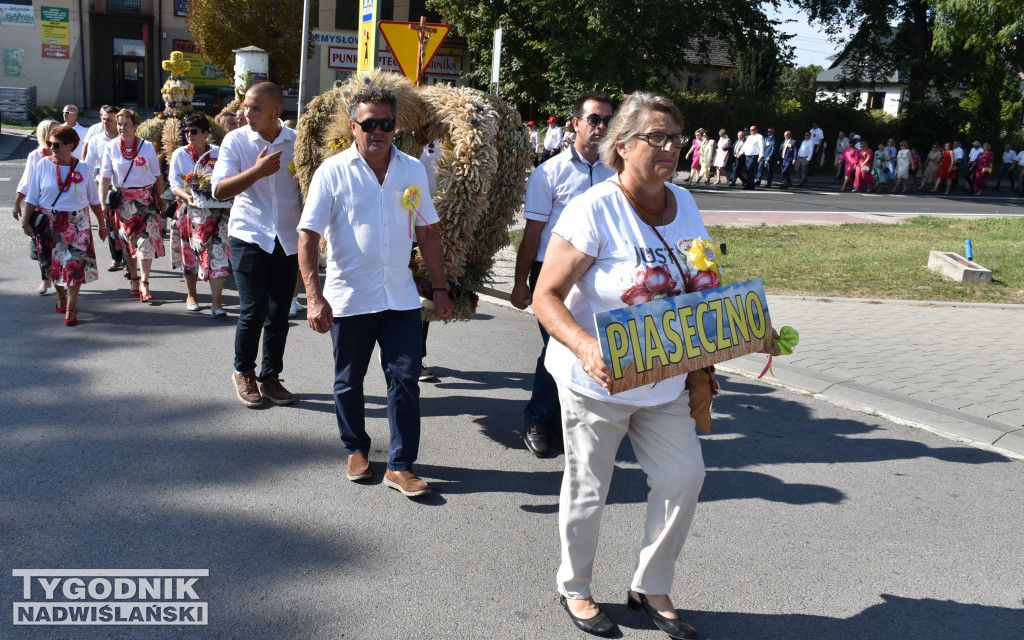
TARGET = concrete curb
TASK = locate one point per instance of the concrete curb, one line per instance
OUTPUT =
(941, 421)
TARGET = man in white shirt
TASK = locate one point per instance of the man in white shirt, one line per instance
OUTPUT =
(804, 155)
(841, 143)
(96, 140)
(253, 168)
(71, 120)
(753, 153)
(534, 142)
(552, 139)
(1006, 169)
(972, 157)
(738, 163)
(548, 190)
(817, 137)
(355, 202)
(1020, 175)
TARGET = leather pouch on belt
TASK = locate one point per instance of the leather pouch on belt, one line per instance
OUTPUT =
(702, 386)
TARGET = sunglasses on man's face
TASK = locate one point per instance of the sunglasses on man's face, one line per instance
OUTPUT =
(595, 120)
(193, 132)
(369, 125)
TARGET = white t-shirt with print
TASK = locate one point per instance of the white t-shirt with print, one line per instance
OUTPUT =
(630, 262)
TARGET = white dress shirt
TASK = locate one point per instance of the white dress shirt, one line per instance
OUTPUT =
(753, 145)
(1009, 157)
(806, 150)
(958, 153)
(271, 206)
(535, 141)
(975, 152)
(553, 138)
(367, 230)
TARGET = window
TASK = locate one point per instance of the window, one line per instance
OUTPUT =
(346, 14)
(124, 6)
(876, 100)
(693, 84)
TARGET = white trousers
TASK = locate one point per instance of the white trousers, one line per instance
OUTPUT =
(666, 445)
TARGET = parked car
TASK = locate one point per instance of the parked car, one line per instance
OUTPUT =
(211, 100)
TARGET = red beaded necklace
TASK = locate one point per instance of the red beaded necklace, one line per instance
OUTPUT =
(66, 183)
(196, 156)
(125, 153)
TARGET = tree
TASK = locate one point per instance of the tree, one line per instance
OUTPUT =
(993, 24)
(799, 83)
(220, 26)
(760, 64)
(554, 50)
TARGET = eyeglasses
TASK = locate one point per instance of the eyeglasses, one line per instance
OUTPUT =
(69, 112)
(660, 139)
(370, 125)
(594, 120)
(193, 132)
(53, 144)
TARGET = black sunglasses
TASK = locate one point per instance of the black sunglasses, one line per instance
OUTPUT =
(193, 132)
(370, 125)
(54, 145)
(594, 120)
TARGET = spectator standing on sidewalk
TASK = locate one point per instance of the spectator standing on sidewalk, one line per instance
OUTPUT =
(552, 139)
(549, 189)
(263, 237)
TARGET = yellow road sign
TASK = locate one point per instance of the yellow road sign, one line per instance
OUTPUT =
(367, 58)
(403, 38)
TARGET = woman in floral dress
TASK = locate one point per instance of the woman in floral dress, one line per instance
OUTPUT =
(130, 164)
(983, 168)
(879, 168)
(204, 231)
(63, 190)
(42, 131)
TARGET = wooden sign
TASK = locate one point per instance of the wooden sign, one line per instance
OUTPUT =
(664, 338)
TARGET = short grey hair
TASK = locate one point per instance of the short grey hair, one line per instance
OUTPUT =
(376, 95)
(629, 120)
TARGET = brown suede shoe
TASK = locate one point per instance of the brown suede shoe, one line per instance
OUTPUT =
(407, 482)
(358, 467)
(246, 388)
(273, 390)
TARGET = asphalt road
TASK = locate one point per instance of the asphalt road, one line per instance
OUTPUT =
(122, 445)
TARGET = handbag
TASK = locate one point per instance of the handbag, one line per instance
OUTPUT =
(39, 222)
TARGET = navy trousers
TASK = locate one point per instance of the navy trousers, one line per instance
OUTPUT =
(750, 175)
(767, 166)
(265, 283)
(543, 407)
(399, 334)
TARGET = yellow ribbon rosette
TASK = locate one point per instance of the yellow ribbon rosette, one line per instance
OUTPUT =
(411, 200)
(702, 257)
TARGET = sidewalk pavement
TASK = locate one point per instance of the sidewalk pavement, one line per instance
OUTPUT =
(954, 369)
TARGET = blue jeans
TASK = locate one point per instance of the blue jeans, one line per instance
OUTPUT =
(399, 335)
(543, 406)
(265, 284)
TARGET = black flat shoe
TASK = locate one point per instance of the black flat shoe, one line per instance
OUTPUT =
(674, 627)
(600, 625)
(536, 438)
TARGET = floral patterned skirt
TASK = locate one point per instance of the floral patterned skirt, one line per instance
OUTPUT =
(207, 232)
(69, 248)
(182, 255)
(138, 224)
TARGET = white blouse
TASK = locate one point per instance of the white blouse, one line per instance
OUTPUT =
(182, 164)
(44, 192)
(143, 174)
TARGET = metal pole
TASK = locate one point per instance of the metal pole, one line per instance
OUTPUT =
(302, 59)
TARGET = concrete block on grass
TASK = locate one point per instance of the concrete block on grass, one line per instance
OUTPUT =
(958, 268)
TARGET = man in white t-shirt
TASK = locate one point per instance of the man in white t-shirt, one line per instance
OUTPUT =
(818, 138)
(552, 139)
(550, 187)
(355, 202)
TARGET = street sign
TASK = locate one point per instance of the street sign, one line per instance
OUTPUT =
(414, 44)
(368, 11)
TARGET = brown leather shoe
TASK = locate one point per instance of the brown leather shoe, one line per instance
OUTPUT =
(273, 390)
(246, 388)
(358, 467)
(407, 482)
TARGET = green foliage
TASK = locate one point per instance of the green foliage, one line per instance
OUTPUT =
(988, 25)
(799, 83)
(39, 114)
(218, 27)
(759, 64)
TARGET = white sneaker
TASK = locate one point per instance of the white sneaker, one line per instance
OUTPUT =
(295, 308)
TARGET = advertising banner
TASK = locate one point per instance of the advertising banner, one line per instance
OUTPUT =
(55, 27)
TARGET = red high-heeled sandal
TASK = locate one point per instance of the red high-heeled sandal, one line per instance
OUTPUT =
(71, 319)
(134, 288)
(62, 304)
(145, 297)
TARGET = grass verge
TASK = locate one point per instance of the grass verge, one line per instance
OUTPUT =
(877, 260)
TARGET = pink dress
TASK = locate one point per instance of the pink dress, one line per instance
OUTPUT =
(851, 155)
(695, 162)
(862, 178)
